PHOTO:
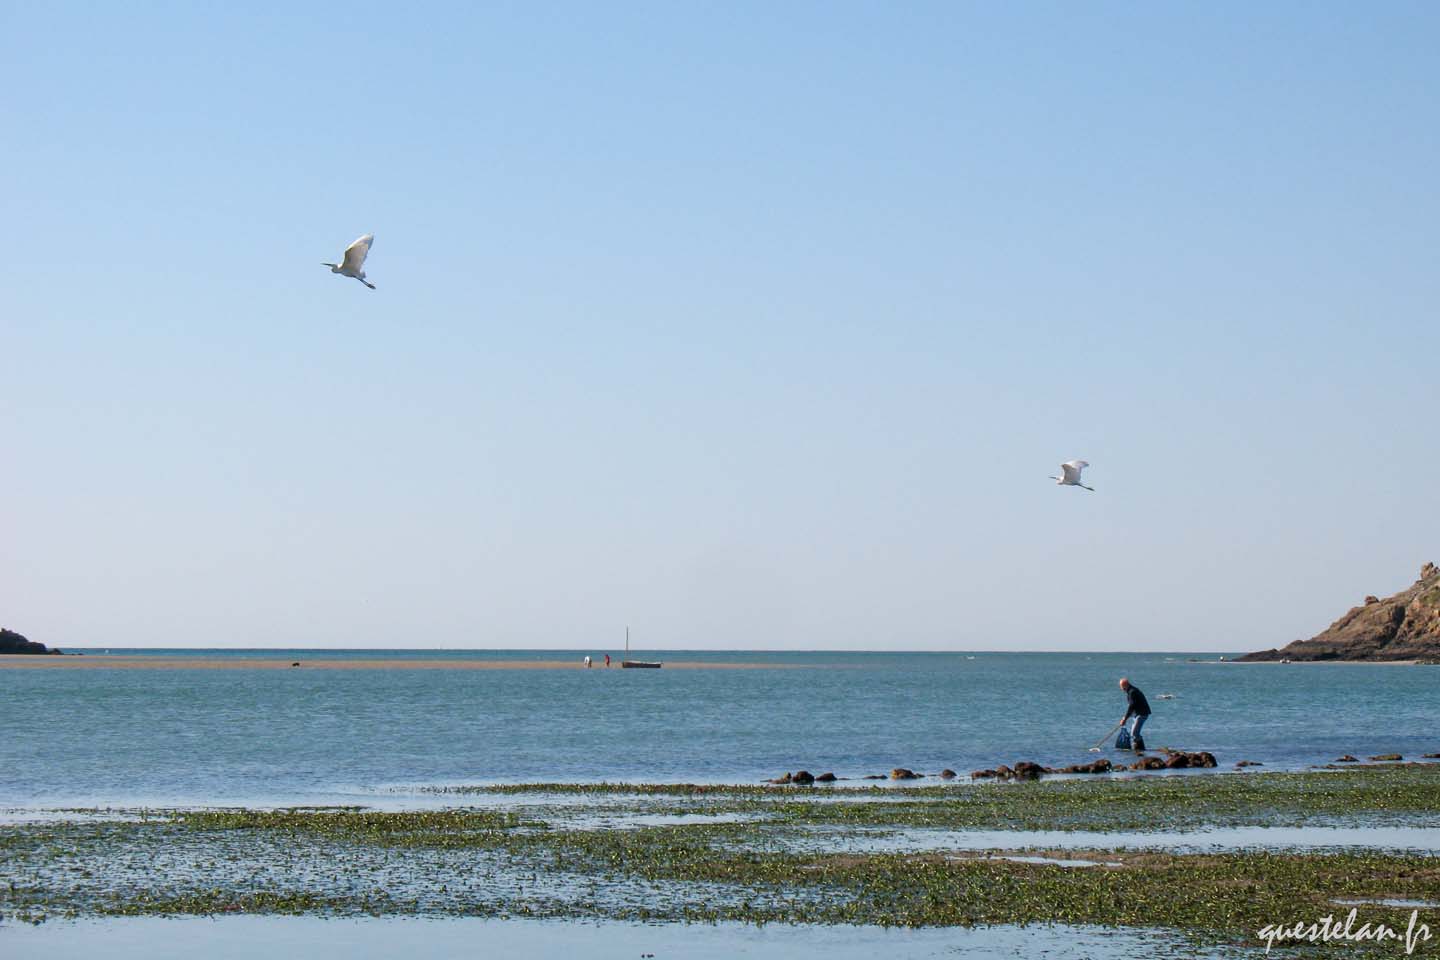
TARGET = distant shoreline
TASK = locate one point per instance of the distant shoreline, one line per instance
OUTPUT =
(1291, 663)
(143, 662)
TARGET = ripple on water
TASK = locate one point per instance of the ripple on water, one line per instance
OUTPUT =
(1218, 839)
(231, 938)
(1052, 861)
(1384, 902)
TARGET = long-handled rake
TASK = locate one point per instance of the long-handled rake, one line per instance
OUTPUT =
(1096, 748)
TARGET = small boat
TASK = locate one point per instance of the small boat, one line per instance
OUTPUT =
(629, 664)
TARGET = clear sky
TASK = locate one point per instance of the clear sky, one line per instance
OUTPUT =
(746, 324)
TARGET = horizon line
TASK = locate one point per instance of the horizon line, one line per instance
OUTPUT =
(673, 649)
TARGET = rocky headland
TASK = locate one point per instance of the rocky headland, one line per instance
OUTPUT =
(1405, 626)
(12, 642)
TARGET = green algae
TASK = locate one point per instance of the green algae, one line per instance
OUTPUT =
(396, 829)
(1396, 796)
(1377, 795)
(472, 861)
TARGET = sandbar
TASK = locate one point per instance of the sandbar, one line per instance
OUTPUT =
(133, 662)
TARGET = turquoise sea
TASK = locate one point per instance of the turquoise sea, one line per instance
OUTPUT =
(102, 737)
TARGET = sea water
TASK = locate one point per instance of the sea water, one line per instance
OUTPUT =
(240, 938)
(175, 736)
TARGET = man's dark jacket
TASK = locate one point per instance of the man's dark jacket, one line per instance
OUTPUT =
(1138, 705)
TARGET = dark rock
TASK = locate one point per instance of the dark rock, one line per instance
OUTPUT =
(1102, 765)
(803, 777)
(1346, 759)
(1248, 763)
(12, 642)
(1388, 756)
(1026, 770)
(782, 779)
(1405, 626)
(1148, 763)
(1432, 756)
(1180, 759)
(873, 776)
(947, 774)
(901, 773)
(826, 778)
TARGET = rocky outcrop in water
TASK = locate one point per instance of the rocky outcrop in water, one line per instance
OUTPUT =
(12, 642)
(1098, 766)
(1173, 760)
(803, 778)
(1028, 770)
(1403, 627)
(1182, 760)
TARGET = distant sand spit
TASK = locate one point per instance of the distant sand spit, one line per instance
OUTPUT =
(115, 662)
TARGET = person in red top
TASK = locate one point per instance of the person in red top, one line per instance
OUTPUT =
(607, 659)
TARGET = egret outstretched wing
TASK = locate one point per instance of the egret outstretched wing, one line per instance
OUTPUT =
(356, 253)
(1071, 470)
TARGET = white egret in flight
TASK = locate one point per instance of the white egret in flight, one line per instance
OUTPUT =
(354, 262)
(1070, 474)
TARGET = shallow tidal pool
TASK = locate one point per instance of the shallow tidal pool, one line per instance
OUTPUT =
(233, 938)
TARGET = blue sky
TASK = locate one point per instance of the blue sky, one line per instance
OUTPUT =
(747, 325)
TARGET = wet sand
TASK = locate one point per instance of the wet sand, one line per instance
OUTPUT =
(128, 662)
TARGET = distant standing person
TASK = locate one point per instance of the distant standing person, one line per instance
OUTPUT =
(1139, 708)
(587, 663)
(607, 660)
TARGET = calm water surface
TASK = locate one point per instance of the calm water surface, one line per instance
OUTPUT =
(178, 736)
(316, 939)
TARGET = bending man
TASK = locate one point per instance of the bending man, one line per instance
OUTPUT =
(1137, 707)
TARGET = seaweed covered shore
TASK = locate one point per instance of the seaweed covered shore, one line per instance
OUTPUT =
(759, 855)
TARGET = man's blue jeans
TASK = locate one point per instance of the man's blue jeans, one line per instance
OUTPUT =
(1135, 726)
